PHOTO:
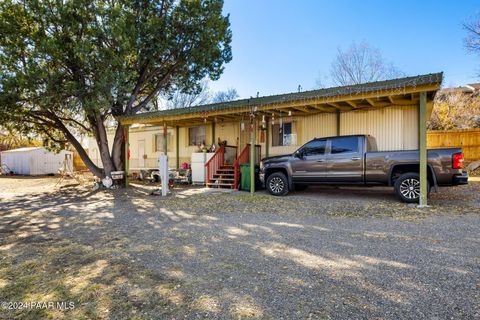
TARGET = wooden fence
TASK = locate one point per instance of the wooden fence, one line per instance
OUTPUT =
(468, 139)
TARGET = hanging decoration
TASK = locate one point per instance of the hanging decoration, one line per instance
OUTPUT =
(252, 119)
(280, 124)
(289, 113)
(204, 115)
(262, 135)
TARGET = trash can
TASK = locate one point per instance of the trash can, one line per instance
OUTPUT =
(245, 177)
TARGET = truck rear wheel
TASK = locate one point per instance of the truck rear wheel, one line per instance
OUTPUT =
(407, 187)
(277, 184)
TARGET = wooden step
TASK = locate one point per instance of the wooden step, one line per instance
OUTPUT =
(224, 175)
(219, 185)
(222, 180)
(225, 171)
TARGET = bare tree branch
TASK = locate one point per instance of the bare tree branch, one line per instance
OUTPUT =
(359, 64)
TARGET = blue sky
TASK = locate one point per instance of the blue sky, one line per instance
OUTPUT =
(278, 44)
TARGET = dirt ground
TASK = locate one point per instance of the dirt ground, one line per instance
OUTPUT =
(324, 253)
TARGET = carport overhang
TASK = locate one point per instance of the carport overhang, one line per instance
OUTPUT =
(410, 91)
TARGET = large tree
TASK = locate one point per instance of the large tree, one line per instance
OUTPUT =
(70, 66)
(360, 63)
(472, 40)
(224, 96)
(180, 99)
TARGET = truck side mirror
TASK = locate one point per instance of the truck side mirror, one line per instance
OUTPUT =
(299, 154)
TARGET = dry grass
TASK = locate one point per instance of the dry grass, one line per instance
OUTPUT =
(103, 277)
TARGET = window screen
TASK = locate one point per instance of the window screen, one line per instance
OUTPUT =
(160, 141)
(344, 145)
(283, 136)
(196, 136)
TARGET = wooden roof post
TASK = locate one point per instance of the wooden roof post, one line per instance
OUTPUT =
(422, 138)
(252, 154)
(165, 139)
(267, 136)
(127, 152)
(177, 146)
(338, 122)
(213, 132)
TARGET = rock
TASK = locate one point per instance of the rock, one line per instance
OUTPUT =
(107, 182)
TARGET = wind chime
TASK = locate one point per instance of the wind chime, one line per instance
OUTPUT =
(204, 114)
(262, 130)
(242, 124)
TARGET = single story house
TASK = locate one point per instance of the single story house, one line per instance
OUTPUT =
(393, 111)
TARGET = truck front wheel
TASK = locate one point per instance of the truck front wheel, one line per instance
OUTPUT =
(277, 184)
(407, 187)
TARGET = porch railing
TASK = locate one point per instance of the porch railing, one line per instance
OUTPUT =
(214, 163)
(218, 160)
(244, 157)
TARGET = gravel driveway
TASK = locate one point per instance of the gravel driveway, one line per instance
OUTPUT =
(321, 254)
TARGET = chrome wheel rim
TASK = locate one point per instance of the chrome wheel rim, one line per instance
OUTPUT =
(410, 188)
(276, 185)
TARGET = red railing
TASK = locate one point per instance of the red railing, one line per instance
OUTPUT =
(244, 157)
(219, 160)
(214, 163)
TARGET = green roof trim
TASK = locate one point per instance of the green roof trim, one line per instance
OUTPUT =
(358, 89)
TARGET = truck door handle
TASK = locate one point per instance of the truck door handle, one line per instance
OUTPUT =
(356, 158)
(321, 160)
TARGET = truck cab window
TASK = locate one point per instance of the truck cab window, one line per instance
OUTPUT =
(344, 145)
(315, 147)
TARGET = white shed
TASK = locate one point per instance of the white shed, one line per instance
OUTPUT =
(36, 161)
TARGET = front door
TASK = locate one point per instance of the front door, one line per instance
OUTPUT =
(345, 160)
(310, 166)
(141, 153)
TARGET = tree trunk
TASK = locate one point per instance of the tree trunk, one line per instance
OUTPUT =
(118, 148)
(94, 169)
(102, 142)
(98, 172)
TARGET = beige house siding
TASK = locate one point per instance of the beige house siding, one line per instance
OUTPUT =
(395, 128)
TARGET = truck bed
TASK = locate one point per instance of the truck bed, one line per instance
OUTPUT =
(378, 165)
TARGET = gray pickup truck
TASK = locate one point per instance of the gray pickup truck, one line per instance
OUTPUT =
(354, 160)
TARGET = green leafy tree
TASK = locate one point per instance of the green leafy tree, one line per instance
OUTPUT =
(71, 66)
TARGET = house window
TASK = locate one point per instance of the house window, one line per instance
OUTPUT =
(160, 142)
(283, 135)
(196, 136)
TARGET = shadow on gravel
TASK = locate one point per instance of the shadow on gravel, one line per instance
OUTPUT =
(127, 254)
